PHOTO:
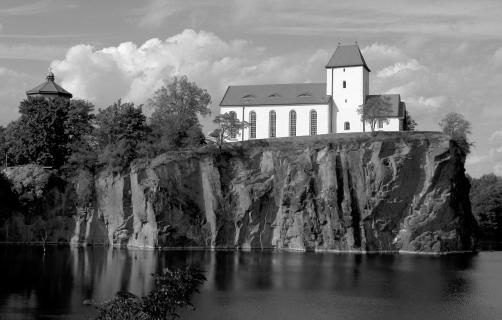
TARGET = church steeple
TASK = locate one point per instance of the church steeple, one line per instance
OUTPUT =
(49, 89)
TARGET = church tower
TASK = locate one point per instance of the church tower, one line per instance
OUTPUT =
(49, 89)
(348, 83)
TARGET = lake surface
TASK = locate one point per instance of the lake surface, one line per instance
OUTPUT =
(257, 285)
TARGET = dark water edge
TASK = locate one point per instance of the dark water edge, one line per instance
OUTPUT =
(256, 284)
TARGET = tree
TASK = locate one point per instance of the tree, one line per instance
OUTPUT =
(173, 289)
(455, 125)
(120, 128)
(486, 201)
(47, 131)
(408, 123)
(229, 127)
(177, 106)
(374, 111)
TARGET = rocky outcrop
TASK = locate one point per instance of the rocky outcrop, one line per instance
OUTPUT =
(398, 192)
(395, 192)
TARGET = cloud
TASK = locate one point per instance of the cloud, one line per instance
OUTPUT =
(12, 91)
(31, 52)
(156, 12)
(134, 72)
(497, 169)
(412, 65)
(27, 9)
(496, 134)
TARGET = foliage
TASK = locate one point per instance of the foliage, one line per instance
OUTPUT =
(375, 111)
(47, 131)
(173, 289)
(409, 124)
(229, 126)
(455, 125)
(120, 128)
(176, 108)
(486, 201)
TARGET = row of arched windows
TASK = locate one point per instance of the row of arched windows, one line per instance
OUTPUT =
(272, 124)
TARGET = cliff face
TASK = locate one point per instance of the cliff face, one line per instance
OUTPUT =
(393, 192)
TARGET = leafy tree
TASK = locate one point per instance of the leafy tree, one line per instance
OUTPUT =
(172, 290)
(486, 201)
(48, 131)
(409, 124)
(229, 127)
(455, 125)
(177, 106)
(120, 128)
(374, 111)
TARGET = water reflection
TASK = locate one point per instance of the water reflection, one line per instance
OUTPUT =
(256, 285)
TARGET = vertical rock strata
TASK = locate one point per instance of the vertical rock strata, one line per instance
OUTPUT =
(393, 192)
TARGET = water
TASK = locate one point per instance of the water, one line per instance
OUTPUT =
(257, 285)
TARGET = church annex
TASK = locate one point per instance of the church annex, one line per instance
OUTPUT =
(301, 109)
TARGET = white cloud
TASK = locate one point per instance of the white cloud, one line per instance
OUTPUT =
(399, 67)
(134, 72)
(496, 134)
(497, 169)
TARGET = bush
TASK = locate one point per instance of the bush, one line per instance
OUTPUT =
(172, 290)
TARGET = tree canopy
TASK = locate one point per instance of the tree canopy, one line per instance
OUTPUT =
(47, 131)
(120, 128)
(486, 201)
(409, 124)
(371, 113)
(458, 128)
(229, 127)
(177, 106)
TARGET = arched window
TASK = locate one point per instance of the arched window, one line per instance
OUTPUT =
(292, 123)
(252, 125)
(233, 134)
(313, 122)
(346, 125)
(344, 84)
(271, 124)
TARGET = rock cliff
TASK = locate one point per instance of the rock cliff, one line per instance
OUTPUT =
(398, 192)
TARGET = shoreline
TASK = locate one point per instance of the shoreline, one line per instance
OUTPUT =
(333, 251)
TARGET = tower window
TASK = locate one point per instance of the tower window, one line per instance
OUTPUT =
(343, 69)
(313, 123)
(345, 100)
(380, 124)
(292, 123)
(252, 125)
(344, 84)
(233, 134)
(271, 124)
(346, 125)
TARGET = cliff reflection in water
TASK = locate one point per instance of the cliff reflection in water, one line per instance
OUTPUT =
(260, 284)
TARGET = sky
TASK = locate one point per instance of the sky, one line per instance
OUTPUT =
(441, 56)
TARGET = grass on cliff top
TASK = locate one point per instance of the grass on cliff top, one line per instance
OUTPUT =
(290, 143)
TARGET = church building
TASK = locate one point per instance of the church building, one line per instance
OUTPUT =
(302, 109)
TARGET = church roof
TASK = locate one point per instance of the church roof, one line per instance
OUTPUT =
(347, 56)
(276, 94)
(392, 104)
(49, 87)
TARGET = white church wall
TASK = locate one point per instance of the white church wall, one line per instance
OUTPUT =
(282, 119)
(348, 99)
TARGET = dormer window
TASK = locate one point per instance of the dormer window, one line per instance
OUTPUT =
(274, 95)
(248, 96)
(344, 84)
(305, 94)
